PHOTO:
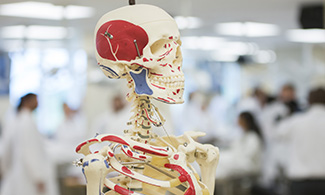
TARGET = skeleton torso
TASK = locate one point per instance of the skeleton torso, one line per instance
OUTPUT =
(131, 44)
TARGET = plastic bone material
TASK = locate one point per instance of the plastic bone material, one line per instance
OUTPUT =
(141, 43)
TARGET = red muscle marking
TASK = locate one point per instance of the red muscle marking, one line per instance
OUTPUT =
(170, 65)
(156, 74)
(178, 90)
(122, 191)
(145, 60)
(161, 149)
(176, 156)
(149, 118)
(168, 44)
(144, 157)
(114, 138)
(127, 171)
(171, 99)
(148, 151)
(174, 93)
(165, 46)
(163, 65)
(80, 146)
(166, 53)
(182, 178)
(172, 71)
(84, 143)
(179, 68)
(96, 152)
(189, 191)
(158, 86)
(121, 45)
(184, 174)
(130, 153)
(171, 37)
(163, 99)
(110, 154)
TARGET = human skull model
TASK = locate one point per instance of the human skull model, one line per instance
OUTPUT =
(144, 49)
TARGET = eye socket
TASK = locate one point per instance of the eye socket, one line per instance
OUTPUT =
(161, 46)
(178, 57)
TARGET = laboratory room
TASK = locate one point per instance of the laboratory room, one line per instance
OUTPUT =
(162, 97)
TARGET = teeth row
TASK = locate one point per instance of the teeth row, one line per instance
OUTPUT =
(167, 80)
(173, 84)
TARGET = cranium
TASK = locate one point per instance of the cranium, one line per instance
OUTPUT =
(144, 49)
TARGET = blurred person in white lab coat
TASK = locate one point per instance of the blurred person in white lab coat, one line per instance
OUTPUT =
(243, 158)
(305, 134)
(70, 133)
(275, 156)
(25, 165)
(114, 119)
(196, 117)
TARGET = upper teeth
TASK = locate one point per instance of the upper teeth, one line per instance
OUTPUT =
(172, 81)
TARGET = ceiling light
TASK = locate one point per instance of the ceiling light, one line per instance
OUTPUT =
(34, 32)
(202, 43)
(32, 9)
(248, 29)
(76, 12)
(187, 22)
(306, 35)
(46, 32)
(13, 32)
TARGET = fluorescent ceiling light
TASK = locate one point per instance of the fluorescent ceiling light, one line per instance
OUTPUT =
(34, 32)
(13, 32)
(218, 44)
(187, 22)
(76, 12)
(46, 32)
(306, 35)
(202, 43)
(248, 29)
(32, 9)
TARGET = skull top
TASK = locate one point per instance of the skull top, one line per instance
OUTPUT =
(142, 44)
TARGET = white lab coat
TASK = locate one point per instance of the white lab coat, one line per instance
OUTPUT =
(111, 122)
(305, 133)
(24, 161)
(243, 157)
(70, 133)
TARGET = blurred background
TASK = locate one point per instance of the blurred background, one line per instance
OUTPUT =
(255, 56)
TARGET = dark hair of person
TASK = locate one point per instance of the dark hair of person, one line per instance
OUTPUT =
(24, 99)
(251, 123)
(317, 96)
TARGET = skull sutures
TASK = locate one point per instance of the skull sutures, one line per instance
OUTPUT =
(145, 48)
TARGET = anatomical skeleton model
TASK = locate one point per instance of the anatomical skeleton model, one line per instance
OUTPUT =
(141, 44)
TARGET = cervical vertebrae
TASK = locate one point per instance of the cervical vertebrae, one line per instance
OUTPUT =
(141, 43)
